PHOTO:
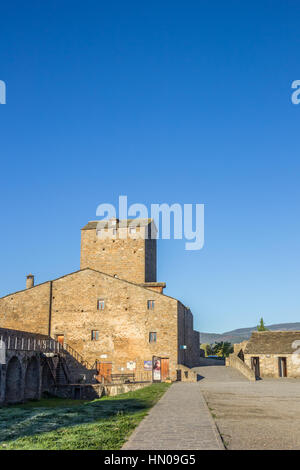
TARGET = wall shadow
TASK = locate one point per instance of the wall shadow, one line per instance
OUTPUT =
(18, 421)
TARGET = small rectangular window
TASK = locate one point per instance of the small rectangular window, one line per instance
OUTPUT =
(100, 304)
(150, 304)
(132, 230)
(152, 337)
(95, 335)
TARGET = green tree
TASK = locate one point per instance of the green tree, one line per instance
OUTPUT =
(223, 349)
(261, 326)
(207, 349)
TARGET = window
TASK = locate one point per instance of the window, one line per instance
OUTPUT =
(132, 230)
(152, 337)
(150, 304)
(95, 335)
(100, 304)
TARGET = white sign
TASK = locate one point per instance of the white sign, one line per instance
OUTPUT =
(131, 365)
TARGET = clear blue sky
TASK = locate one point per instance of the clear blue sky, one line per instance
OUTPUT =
(163, 101)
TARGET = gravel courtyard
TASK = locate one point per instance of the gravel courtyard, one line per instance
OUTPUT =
(252, 415)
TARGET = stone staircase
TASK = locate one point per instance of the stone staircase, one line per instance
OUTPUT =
(79, 372)
(67, 366)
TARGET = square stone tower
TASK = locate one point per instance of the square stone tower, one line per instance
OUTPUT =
(122, 248)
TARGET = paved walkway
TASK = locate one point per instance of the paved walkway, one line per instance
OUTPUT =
(180, 420)
(252, 415)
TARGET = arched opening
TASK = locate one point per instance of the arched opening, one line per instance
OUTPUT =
(47, 380)
(241, 355)
(32, 380)
(13, 386)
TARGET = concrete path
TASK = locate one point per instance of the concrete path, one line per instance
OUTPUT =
(252, 415)
(180, 420)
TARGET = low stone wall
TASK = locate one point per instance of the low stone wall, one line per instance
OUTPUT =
(207, 361)
(93, 391)
(239, 346)
(237, 363)
(185, 374)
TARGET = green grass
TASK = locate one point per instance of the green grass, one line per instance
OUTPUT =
(59, 424)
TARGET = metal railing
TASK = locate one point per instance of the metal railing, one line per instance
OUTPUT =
(78, 357)
(27, 343)
(49, 345)
(137, 376)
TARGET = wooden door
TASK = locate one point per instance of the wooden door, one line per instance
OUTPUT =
(164, 368)
(104, 371)
(61, 339)
(282, 367)
(255, 366)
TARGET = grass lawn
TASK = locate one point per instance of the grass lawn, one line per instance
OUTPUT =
(59, 424)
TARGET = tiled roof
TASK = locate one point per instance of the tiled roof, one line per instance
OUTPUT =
(273, 342)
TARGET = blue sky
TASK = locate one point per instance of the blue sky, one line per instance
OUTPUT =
(171, 101)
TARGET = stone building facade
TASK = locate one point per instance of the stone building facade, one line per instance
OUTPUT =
(112, 310)
(272, 353)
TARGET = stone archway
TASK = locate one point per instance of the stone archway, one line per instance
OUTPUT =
(31, 391)
(13, 385)
(47, 379)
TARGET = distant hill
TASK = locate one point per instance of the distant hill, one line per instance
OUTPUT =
(236, 336)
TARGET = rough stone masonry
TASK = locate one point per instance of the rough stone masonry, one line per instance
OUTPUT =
(112, 310)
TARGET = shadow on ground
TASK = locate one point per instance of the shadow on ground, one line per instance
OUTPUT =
(31, 419)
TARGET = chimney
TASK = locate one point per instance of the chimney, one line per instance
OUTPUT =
(29, 281)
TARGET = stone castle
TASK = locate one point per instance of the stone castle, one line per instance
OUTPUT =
(113, 310)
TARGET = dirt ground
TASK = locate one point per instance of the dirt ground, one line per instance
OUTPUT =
(252, 415)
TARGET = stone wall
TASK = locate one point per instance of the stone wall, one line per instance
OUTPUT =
(93, 391)
(21, 377)
(234, 361)
(129, 257)
(186, 374)
(268, 364)
(188, 337)
(239, 347)
(119, 333)
(123, 325)
(27, 310)
(210, 361)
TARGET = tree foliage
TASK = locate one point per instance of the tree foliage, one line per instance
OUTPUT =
(207, 349)
(222, 349)
(261, 326)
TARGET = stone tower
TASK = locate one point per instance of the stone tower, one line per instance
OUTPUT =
(121, 248)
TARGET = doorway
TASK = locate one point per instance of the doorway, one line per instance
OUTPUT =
(164, 368)
(104, 371)
(60, 339)
(282, 368)
(255, 366)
